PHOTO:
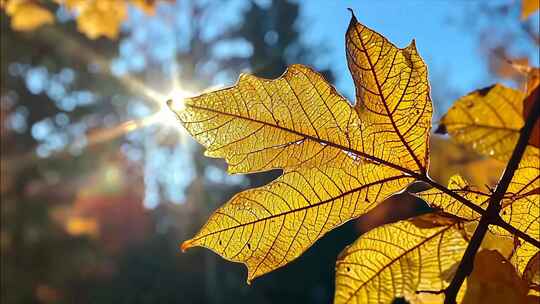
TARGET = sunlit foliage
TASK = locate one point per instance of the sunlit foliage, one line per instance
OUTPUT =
(95, 18)
(339, 160)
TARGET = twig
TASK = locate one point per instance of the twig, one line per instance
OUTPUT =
(492, 213)
(431, 291)
(513, 230)
(455, 195)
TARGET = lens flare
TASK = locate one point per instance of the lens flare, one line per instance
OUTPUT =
(176, 100)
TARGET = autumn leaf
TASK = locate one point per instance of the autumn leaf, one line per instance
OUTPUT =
(95, 18)
(524, 253)
(404, 260)
(448, 157)
(324, 183)
(392, 97)
(101, 18)
(338, 161)
(494, 280)
(27, 15)
(489, 120)
(442, 201)
(531, 274)
(520, 205)
(397, 260)
(522, 208)
(529, 7)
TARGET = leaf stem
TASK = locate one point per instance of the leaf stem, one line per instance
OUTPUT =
(491, 216)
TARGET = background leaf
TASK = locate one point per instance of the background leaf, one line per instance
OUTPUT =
(396, 260)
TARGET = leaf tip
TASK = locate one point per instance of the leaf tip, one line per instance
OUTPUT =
(186, 245)
(353, 17)
(412, 45)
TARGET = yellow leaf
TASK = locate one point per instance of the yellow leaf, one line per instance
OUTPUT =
(397, 260)
(528, 7)
(100, 18)
(448, 157)
(401, 260)
(494, 280)
(441, 201)
(267, 227)
(524, 253)
(28, 15)
(337, 162)
(488, 120)
(520, 205)
(392, 96)
(96, 18)
(262, 124)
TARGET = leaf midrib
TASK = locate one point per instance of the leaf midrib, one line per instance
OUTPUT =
(315, 139)
(383, 99)
(360, 188)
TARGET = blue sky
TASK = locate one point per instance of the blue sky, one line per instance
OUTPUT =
(449, 47)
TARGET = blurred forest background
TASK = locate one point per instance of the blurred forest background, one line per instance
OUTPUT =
(99, 185)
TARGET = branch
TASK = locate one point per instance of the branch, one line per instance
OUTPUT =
(430, 291)
(492, 213)
(513, 230)
(458, 197)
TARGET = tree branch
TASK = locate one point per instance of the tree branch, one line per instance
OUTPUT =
(492, 212)
(458, 197)
(513, 230)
